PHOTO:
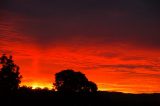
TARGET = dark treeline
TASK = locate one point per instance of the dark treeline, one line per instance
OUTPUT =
(71, 88)
(29, 97)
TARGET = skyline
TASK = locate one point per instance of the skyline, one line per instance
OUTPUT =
(114, 43)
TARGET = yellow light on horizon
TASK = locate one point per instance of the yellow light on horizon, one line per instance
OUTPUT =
(38, 85)
(34, 86)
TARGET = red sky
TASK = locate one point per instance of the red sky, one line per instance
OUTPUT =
(115, 45)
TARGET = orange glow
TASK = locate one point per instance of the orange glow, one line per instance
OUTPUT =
(38, 69)
(113, 67)
(110, 73)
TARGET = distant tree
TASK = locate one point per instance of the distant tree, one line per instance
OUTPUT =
(25, 88)
(71, 81)
(10, 77)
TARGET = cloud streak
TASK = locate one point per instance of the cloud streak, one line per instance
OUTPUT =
(88, 21)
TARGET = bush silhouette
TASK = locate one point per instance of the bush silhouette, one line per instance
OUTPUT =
(71, 81)
(10, 77)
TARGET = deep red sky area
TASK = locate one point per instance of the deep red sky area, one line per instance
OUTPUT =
(114, 43)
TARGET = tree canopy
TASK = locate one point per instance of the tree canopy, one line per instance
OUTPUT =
(71, 81)
(10, 77)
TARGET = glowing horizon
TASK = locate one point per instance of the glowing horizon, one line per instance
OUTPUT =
(109, 72)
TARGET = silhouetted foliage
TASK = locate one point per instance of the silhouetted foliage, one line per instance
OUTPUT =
(10, 77)
(71, 81)
(92, 87)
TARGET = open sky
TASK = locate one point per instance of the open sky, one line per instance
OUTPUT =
(116, 43)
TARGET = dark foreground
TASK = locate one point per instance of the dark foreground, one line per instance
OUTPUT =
(49, 98)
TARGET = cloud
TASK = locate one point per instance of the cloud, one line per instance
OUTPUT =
(125, 67)
(131, 58)
(109, 54)
(128, 66)
(84, 22)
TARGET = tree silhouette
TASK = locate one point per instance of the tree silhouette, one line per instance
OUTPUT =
(92, 87)
(71, 81)
(10, 77)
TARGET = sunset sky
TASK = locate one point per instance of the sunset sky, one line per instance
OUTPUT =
(115, 43)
